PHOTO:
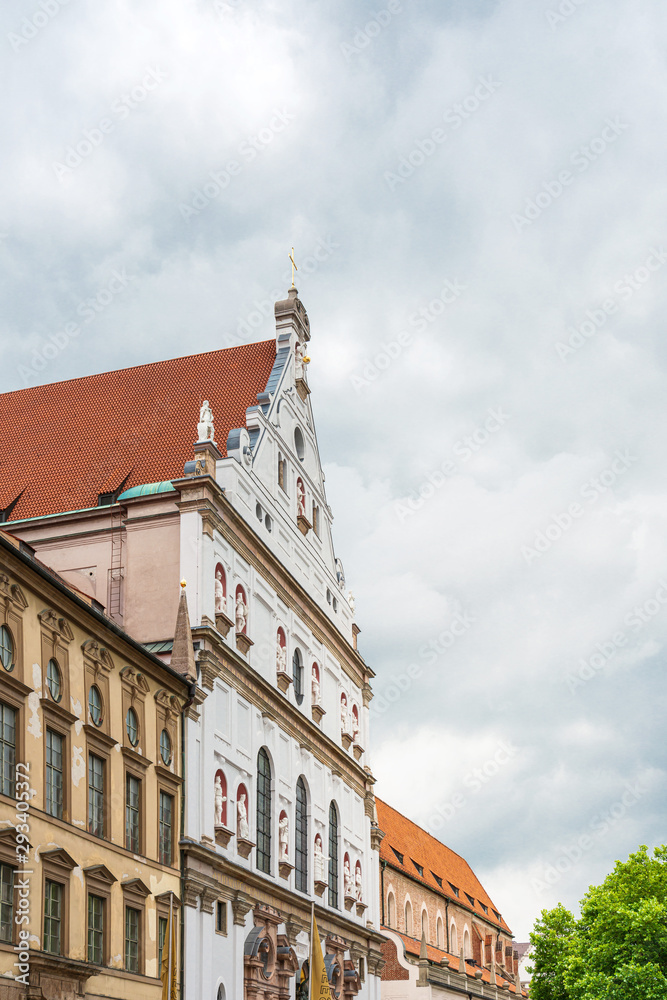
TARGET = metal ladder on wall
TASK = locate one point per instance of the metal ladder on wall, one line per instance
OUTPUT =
(116, 571)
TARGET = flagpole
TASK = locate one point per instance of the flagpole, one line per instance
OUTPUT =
(310, 963)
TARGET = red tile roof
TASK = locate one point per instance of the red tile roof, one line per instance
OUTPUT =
(413, 948)
(64, 443)
(416, 845)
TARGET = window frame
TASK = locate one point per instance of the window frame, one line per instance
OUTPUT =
(49, 880)
(50, 769)
(333, 868)
(11, 868)
(166, 859)
(263, 813)
(130, 907)
(103, 901)
(97, 792)
(297, 675)
(9, 789)
(301, 840)
(132, 775)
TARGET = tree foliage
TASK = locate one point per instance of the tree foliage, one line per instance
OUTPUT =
(617, 949)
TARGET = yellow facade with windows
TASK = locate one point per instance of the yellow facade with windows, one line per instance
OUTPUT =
(90, 794)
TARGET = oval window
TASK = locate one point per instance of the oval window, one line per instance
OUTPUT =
(132, 726)
(6, 648)
(165, 747)
(95, 705)
(53, 680)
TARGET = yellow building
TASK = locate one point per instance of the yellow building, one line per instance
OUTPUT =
(90, 793)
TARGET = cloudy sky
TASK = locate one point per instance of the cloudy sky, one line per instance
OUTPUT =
(475, 192)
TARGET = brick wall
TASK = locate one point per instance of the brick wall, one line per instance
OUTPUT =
(393, 970)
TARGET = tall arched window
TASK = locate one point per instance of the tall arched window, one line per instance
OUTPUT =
(301, 837)
(425, 924)
(391, 910)
(333, 856)
(264, 812)
(467, 951)
(439, 935)
(453, 940)
(297, 675)
(408, 918)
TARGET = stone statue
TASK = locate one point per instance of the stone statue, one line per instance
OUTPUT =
(349, 880)
(299, 354)
(358, 881)
(241, 613)
(301, 491)
(205, 431)
(242, 828)
(351, 601)
(219, 594)
(283, 837)
(343, 715)
(219, 800)
(281, 657)
(318, 860)
(355, 725)
(315, 684)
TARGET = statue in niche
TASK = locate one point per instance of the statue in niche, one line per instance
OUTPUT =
(301, 495)
(283, 837)
(318, 860)
(205, 430)
(343, 715)
(315, 684)
(242, 828)
(358, 881)
(220, 799)
(241, 613)
(349, 880)
(355, 725)
(219, 594)
(281, 657)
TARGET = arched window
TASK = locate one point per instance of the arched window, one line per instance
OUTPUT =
(391, 910)
(439, 933)
(425, 924)
(333, 856)
(467, 951)
(301, 837)
(297, 675)
(453, 940)
(264, 812)
(408, 918)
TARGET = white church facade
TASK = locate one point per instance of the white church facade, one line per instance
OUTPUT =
(279, 804)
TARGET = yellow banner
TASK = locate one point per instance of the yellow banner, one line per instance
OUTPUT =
(319, 984)
(168, 968)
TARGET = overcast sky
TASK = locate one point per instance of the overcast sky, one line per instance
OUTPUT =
(475, 191)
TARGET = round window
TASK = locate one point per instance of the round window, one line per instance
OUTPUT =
(6, 648)
(53, 681)
(165, 747)
(95, 705)
(132, 726)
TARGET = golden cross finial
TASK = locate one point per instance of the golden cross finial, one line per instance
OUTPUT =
(294, 267)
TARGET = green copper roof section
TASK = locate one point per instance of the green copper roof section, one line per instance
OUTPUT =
(148, 489)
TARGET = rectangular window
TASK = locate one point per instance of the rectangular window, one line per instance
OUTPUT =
(132, 918)
(7, 749)
(165, 853)
(6, 903)
(221, 916)
(161, 937)
(95, 795)
(54, 774)
(53, 916)
(95, 930)
(132, 808)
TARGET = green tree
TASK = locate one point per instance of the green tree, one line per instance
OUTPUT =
(617, 950)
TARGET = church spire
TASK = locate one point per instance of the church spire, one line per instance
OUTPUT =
(183, 654)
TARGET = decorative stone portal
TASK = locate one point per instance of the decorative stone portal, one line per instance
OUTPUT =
(268, 960)
(342, 973)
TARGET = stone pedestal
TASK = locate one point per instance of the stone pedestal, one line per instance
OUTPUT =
(223, 835)
(361, 908)
(223, 623)
(320, 887)
(303, 523)
(302, 388)
(283, 680)
(317, 713)
(350, 902)
(285, 869)
(244, 847)
(346, 740)
(358, 751)
(243, 643)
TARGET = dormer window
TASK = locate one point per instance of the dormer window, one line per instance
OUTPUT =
(420, 868)
(398, 854)
(437, 878)
(471, 899)
(454, 889)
